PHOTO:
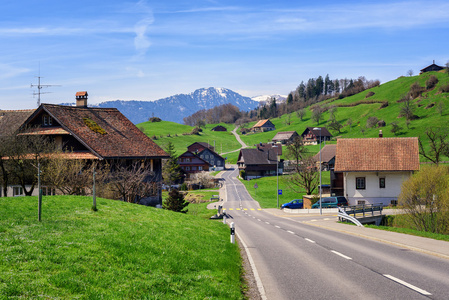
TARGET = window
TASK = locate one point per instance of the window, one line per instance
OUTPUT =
(17, 191)
(47, 120)
(200, 168)
(360, 183)
(360, 202)
(382, 183)
(187, 168)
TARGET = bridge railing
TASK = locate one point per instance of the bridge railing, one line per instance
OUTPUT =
(363, 210)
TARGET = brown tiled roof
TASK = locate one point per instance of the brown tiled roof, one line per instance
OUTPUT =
(46, 131)
(83, 93)
(324, 131)
(377, 154)
(261, 123)
(257, 157)
(122, 139)
(285, 135)
(327, 153)
(11, 120)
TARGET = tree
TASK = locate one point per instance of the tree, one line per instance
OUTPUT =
(175, 202)
(317, 114)
(408, 109)
(131, 182)
(395, 128)
(349, 123)
(296, 150)
(301, 113)
(335, 125)
(171, 171)
(440, 107)
(438, 141)
(425, 198)
(305, 177)
(410, 73)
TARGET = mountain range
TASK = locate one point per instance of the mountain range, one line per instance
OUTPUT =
(177, 107)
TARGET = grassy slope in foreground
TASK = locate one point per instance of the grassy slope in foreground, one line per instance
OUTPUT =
(122, 251)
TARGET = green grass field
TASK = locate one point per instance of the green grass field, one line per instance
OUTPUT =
(266, 192)
(122, 251)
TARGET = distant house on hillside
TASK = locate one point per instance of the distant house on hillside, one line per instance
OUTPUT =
(259, 163)
(263, 125)
(285, 137)
(191, 163)
(219, 128)
(371, 170)
(327, 157)
(312, 136)
(432, 67)
(206, 152)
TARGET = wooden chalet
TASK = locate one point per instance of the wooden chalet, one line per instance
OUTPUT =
(219, 128)
(263, 126)
(430, 68)
(312, 136)
(207, 153)
(102, 134)
(285, 137)
(327, 157)
(191, 163)
(259, 162)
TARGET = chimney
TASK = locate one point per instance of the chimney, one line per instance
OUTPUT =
(81, 99)
(380, 133)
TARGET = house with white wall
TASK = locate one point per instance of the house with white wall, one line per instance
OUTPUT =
(373, 169)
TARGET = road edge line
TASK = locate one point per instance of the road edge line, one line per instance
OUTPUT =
(253, 267)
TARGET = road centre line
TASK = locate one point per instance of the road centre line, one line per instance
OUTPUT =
(277, 226)
(290, 232)
(342, 255)
(267, 223)
(309, 240)
(410, 286)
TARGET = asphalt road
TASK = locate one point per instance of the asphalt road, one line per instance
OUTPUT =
(294, 260)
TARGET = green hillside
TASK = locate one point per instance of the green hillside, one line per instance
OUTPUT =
(358, 108)
(122, 251)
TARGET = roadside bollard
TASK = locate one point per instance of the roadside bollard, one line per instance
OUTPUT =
(224, 219)
(232, 233)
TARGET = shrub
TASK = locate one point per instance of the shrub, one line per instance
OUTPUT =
(381, 123)
(175, 202)
(431, 82)
(415, 90)
(154, 119)
(371, 122)
(243, 174)
(196, 130)
(154, 137)
(444, 88)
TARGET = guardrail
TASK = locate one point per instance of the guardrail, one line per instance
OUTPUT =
(365, 213)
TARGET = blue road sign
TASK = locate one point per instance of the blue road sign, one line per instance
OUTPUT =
(279, 192)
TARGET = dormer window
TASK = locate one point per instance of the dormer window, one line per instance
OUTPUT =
(47, 120)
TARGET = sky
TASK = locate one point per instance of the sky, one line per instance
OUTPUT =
(147, 50)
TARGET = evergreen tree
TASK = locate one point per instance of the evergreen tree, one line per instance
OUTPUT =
(290, 98)
(171, 171)
(175, 202)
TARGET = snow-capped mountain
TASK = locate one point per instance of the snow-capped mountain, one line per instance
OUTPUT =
(177, 107)
(264, 98)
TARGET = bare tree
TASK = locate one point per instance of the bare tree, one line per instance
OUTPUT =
(410, 73)
(317, 114)
(296, 150)
(131, 182)
(438, 141)
(301, 113)
(305, 177)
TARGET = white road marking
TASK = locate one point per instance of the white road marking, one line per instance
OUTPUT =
(277, 226)
(410, 286)
(290, 232)
(309, 240)
(259, 220)
(267, 223)
(342, 255)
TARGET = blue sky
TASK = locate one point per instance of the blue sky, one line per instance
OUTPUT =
(147, 50)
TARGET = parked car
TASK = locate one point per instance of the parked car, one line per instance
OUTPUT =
(297, 203)
(331, 202)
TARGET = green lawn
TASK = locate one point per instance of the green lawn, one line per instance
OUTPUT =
(122, 251)
(266, 194)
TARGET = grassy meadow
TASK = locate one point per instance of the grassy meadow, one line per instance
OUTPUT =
(122, 251)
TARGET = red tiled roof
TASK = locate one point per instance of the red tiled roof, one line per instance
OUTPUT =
(83, 93)
(46, 131)
(377, 154)
(261, 123)
(122, 139)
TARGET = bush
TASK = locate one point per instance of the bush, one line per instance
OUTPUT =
(154, 119)
(444, 88)
(371, 122)
(196, 131)
(243, 174)
(415, 90)
(431, 82)
(381, 123)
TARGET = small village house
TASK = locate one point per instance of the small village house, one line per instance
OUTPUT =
(263, 126)
(260, 162)
(207, 153)
(372, 169)
(285, 137)
(312, 136)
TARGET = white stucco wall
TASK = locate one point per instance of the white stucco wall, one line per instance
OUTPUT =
(373, 194)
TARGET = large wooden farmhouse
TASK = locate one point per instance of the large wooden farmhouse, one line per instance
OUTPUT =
(100, 134)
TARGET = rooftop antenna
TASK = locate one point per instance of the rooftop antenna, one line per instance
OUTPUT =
(39, 87)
